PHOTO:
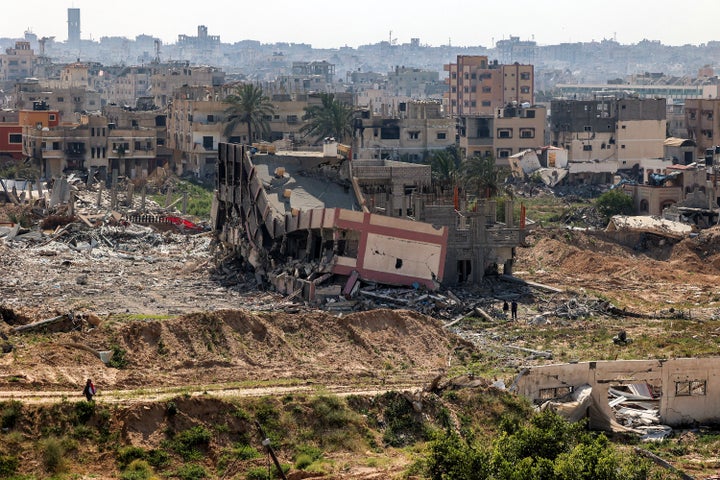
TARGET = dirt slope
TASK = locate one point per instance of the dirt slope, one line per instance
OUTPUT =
(367, 348)
(685, 275)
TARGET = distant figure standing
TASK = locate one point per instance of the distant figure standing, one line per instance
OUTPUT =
(513, 310)
(89, 390)
(506, 307)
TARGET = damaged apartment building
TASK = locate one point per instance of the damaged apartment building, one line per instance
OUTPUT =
(317, 223)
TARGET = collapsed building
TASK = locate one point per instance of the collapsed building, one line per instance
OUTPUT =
(302, 218)
(674, 392)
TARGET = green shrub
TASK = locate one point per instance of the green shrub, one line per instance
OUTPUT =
(244, 452)
(137, 470)
(118, 359)
(126, 455)
(303, 461)
(84, 411)
(8, 465)
(188, 444)
(158, 458)
(52, 453)
(10, 413)
(403, 425)
(191, 471)
(261, 473)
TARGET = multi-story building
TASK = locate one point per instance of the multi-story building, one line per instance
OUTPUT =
(417, 129)
(511, 130)
(17, 63)
(130, 84)
(608, 134)
(93, 144)
(479, 87)
(73, 21)
(167, 78)
(10, 136)
(195, 127)
(702, 117)
(69, 101)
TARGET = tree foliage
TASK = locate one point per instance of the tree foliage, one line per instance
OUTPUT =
(445, 166)
(614, 202)
(546, 447)
(331, 118)
(482, 175)
(248, 105)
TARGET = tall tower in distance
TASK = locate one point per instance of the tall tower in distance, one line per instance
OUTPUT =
(74, 27)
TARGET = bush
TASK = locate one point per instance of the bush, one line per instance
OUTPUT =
(187, 444)
(84, 411)
(191, 471)
(8, 465)
(137, 470)
(10, 413)
(52, 453)
(126, 455)
(614, 202)
(118, 359)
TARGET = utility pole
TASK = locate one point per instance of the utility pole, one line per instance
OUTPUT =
(266, 444)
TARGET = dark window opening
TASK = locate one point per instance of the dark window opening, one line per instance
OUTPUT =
(398, 263)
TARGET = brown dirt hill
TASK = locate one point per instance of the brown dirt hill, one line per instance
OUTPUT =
(226, 346)
(682, 275)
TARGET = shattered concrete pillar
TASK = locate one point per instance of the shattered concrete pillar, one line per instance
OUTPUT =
(113, 190)
(509, 219)
(142, 197)
(71, 205)
(168, 197)
(100, 190)
(130, 192)
(39, 187)
(184, 203)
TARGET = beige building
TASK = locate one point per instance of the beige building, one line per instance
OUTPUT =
(608, 134)
(417, 129)
(479, 87)
(166, 79)
(18, 63)
(703, 123)
(510, 130)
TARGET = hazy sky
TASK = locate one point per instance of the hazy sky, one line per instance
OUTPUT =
(327, 24)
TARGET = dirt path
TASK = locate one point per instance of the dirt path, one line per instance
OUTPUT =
(127, 397)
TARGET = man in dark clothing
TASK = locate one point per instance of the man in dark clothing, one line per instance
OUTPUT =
(506, 307)
(513, 310)
(89, 390)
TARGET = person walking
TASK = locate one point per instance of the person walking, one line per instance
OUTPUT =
(506, 307)
(89, 390)
(513, 309)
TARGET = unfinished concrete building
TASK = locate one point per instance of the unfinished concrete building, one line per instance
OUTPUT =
(301, 220)
(677, 391)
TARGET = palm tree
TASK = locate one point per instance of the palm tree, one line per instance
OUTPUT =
(445, 166)
(483, 174)
(332, 118)
(250, 106)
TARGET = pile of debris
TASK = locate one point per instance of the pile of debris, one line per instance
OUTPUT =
(637, 406)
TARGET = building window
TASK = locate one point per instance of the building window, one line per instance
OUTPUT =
(414, 135)
(485, 103)
(51, 117)
(504, 133)
(524, 89)
(453, 89)
(527, 133)
(525, 76)
(486, 89)
(622, 146)
(60, 99)
(211, 118)
(441, 135)
(556, 392)
(691, 388)
(473, 103)
(587, 148)
(504, 153)
(15, 138)
(644, 206)
(587, 128)
(208, 142)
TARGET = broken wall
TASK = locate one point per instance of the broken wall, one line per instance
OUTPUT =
(690, 386)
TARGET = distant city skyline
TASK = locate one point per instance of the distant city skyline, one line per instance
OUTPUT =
(332, 24)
